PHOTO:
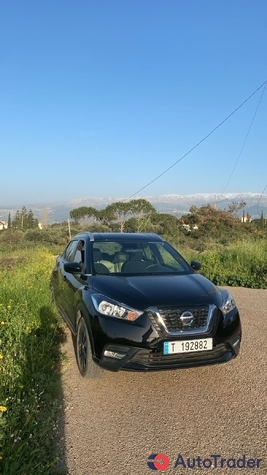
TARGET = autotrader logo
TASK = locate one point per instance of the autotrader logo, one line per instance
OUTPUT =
(160, 462)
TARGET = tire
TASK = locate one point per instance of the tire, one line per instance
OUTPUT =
(87, 367)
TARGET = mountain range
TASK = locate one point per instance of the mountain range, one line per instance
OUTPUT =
(178, 205)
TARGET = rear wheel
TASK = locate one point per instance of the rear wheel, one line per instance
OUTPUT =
(85, 362)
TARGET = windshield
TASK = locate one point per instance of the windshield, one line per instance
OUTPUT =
(137, 257)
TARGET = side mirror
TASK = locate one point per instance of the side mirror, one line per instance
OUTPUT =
(196, 265)
(73, 268)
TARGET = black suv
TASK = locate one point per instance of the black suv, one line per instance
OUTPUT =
(132, 302)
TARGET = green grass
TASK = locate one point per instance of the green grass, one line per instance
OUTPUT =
(30, 336)
(241, 264)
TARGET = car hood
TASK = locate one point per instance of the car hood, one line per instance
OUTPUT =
(141, 292)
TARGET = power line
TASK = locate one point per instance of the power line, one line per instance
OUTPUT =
(195, 146)
(242, 148)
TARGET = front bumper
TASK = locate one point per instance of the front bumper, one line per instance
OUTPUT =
(151, 360)
(139, 347)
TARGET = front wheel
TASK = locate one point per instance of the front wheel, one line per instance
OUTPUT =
(87, 367)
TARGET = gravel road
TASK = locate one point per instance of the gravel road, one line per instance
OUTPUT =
(112, 425)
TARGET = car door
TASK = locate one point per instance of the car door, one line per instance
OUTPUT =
(67, 283)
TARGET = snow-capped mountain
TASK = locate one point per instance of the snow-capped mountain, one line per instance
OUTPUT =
(256, 203)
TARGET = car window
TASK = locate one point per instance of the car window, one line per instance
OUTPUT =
(137, 257)
(70, 251)
(79, 253)
(108, 247)
(148, 253)
(168, 259)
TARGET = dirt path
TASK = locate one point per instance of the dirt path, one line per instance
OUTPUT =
(111, 425)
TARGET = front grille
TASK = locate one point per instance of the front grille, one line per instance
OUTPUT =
(172, 322)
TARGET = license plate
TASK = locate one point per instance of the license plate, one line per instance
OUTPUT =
(186, 346)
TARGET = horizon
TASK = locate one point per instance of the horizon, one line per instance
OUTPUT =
(116, 198)
(91, 200)
(124, 98)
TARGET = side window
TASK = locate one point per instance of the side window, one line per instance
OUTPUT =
(79, 254)
(70, 251)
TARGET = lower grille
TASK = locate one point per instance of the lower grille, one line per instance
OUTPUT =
(156, 358)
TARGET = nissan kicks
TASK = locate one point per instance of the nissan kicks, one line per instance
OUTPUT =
(132, 302)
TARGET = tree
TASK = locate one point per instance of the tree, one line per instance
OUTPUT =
(106, 216)
(166, 224)
(9, 221)
(118, 211)
(212, 222)
(30, 221)
(234, 207)
(84, 214)
(121, 212)
(16, 222)
(142, 210)
(24, 219)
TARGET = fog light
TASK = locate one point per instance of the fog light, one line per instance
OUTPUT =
(114, 354)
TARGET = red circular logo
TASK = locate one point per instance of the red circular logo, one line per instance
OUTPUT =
(160, 462)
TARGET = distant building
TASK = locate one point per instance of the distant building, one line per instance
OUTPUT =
(246, 218)
(188, 228)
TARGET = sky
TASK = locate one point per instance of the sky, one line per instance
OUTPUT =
(100, 97)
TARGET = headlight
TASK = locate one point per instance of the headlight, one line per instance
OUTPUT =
(228, 305)
(114, 309)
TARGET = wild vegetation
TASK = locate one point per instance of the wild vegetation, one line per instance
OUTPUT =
(30, 357)
(232, 250)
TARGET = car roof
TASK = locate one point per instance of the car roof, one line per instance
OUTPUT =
(119, 236)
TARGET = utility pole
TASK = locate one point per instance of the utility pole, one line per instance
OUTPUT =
(44, 218)
(69, 228)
